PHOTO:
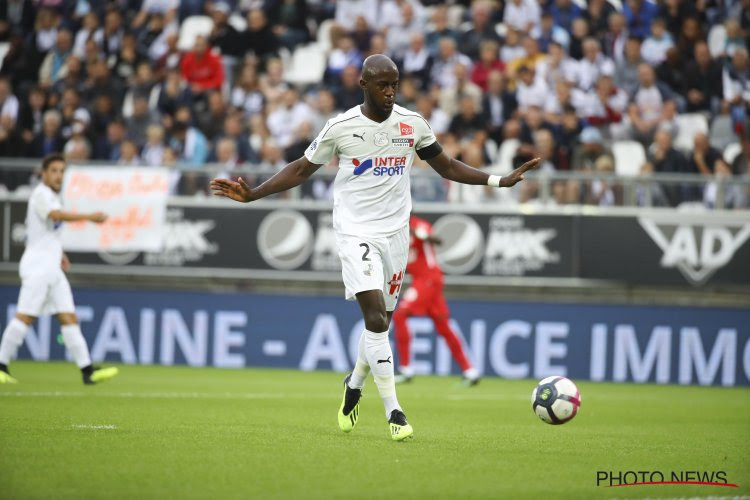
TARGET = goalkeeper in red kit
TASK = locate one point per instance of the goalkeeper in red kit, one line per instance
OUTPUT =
(425, 298)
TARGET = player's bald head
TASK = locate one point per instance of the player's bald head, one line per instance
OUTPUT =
(377, 64)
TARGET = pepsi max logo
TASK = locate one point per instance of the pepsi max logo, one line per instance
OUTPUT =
(360, 167)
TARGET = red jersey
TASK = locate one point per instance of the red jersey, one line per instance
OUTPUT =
(423, 261)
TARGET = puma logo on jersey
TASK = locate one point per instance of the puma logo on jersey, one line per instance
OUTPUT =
(387, 360)
(360, 136)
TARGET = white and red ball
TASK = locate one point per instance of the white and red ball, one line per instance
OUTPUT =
(556, 400)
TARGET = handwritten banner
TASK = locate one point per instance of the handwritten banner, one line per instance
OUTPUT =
(134, 199)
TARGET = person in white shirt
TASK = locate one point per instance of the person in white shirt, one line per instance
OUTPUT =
(44, 287)
(654, 48)
(593, 65)
(376, 143)
(522, 15)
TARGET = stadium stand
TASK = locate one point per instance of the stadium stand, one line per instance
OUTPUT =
(71, 72)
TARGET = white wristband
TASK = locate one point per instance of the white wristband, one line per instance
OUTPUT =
(494, 180)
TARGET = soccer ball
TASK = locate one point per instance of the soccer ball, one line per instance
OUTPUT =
(556, 400)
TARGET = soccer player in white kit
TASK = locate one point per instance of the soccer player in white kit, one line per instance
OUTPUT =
(44, 287)
(375, 143)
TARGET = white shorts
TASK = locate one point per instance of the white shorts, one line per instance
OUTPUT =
(43, 294)
(374, 264)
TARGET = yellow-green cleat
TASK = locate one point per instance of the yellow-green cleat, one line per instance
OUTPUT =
(400, 428)
(6, 378)
(349, 410)
(98, 375)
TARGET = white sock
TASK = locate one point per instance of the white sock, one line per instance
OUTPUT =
(13, 337)
(361, 368)
(406, 371)
(380, 358)
(76, 345)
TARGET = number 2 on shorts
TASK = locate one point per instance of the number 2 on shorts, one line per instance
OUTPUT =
(367, 251)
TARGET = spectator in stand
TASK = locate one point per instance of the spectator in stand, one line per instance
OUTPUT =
(530, 91)
(450, 96)
(690, 35)
(666, 159)
(211, 121)
(345, 54)
(190, 144)
(127, 58)
(112, 32)
(741, 163)
(606, 108)
(152, 41)
(578, 35)
(549, 33)
(736, 89)
(17, 17)
(349, 93)
(440, 29)
(272, 84)
(398, 36)
(417, 61)
(30, 116)
(173, 93)
(201, 68)
(233, 130)
(77, 150)
(615, 38)
(49, 140)
(288, 19)
(246, 94)
(735, 196)
(639, 15)
(565, 95)
(284, 120)
(129, 154)
(735, 39)
(11, 143)
(482, 29)
(648, 105)
(89, 30)
(522, 15)
(704, 157)
(598, 14)
(512, 49)
(361, 34)
(108, 147)
(626, 72)
(167, 8)
(54, 65)
(100, 82)
(303, 136)
(593, 65)
(225, 37)
(153, 152)
(141, 118)
(498, 105)
(564, 12)
(259, 37)
(8, 102)
(226, 155)
(533, 58)
(488, 62)
(655, 47)
(559, 66)
(468, 121)
(437, 118)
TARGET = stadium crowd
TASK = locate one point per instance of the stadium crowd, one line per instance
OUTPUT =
(498, 81)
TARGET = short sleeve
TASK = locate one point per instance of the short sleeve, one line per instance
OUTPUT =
(43, 203)
(322, 149)
(426, 136)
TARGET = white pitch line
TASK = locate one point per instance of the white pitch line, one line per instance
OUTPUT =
(93, 427)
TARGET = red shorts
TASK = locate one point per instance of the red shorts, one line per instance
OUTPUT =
(425, 298)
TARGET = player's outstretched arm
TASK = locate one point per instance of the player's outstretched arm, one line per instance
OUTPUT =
(454, 170)
(59, 215)
(290, 176)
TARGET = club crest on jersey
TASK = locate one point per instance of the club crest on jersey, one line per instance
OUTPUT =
(381, 139)
(405, 129)
(403, 142)
(386, 166)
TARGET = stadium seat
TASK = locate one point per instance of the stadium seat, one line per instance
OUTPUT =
(629, 157)
(324, 35)
(307, 65)
(191, 28)
(717, 39)
(732, 151)
(687, 126)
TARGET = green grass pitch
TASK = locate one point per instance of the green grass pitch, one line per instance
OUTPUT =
(175, 432)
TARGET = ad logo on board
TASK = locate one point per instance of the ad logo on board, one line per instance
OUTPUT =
(285, 239)
(696, 248)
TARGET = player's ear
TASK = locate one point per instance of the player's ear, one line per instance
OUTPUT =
(362, 84)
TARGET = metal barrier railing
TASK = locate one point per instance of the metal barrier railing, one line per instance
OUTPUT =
(545, 188)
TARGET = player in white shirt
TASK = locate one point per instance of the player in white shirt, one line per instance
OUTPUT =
(376, 143)
(44, 287)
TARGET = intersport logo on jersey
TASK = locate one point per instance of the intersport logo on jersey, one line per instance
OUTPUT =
(384, 165)
(697, 248)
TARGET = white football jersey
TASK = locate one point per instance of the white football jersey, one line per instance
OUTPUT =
(43, 251)
(371, 193)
